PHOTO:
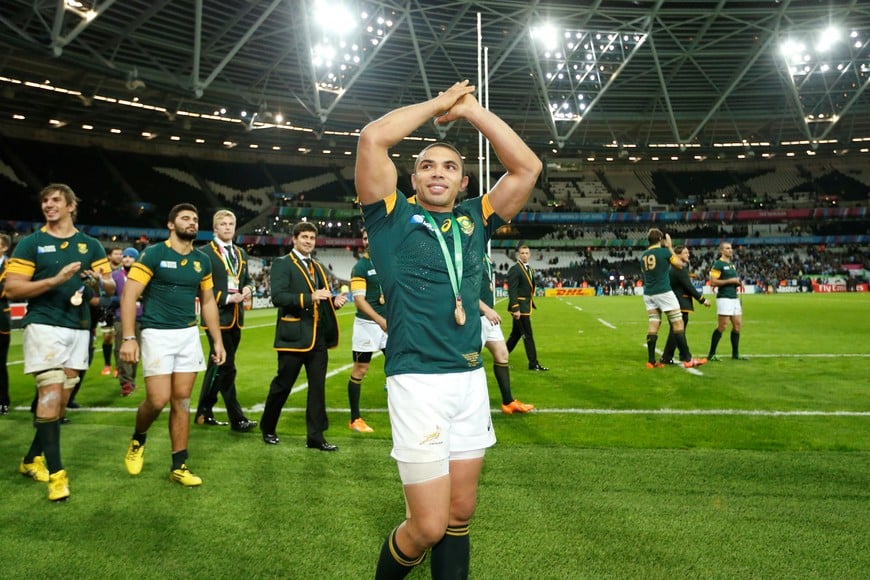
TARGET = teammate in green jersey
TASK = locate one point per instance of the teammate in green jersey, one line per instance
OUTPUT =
(56, 270)
(168, 277)
(369, 329)
(724, 278)
(658, 297)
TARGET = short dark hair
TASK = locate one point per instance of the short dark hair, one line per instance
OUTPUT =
(173, 213)
(444, 145)
(679, 249)
(654, 236)
(304, 227)
(5, 240)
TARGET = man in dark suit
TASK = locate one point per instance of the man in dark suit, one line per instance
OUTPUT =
(306, 328)
(232, 286)
(521, 302)
(682, 286)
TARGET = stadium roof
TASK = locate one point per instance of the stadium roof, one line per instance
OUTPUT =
(620, 78)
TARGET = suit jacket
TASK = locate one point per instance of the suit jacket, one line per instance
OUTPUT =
(521, 289)
(299, 319)
(684, 289)
(230, 314)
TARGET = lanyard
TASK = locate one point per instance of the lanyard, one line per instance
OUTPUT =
(454, 266)
(232, 266)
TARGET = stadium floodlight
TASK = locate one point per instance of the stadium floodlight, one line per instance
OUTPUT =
(575, 68)
(334, 17)
(827, 73)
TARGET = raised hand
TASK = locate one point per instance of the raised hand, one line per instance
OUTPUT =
(455, 101)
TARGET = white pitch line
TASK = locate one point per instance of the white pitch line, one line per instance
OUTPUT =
(729, 412)
(808, 355)
(258, 408)
(605, 323)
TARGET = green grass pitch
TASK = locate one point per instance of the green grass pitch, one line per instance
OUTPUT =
(757, 468)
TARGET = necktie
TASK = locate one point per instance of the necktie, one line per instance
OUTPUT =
(231, 256)
(311, 272)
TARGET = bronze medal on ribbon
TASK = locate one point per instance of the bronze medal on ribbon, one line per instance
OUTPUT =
(76, 298)
(381, 299)
(459, 312)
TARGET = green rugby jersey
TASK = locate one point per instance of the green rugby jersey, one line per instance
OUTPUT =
(723, 270)
(424, 335)
(655, 264)
(364, 275)
(172, 282)
(487, 284)
(41, 255)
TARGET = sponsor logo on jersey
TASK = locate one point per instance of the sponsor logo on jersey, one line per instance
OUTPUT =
(168, 264)
(46, 249)
(83, 248)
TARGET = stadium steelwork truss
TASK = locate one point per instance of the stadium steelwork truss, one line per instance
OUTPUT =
(630, 79)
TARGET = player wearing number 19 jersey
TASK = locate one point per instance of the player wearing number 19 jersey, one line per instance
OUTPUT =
(658, 297)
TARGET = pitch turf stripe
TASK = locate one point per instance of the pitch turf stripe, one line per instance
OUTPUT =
(537, 411)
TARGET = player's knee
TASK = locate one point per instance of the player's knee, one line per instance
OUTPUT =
(48, 399)
(70, 382)
(462, 510)
(655, 318)
(50, 377)
(427, 531)
(181, 403)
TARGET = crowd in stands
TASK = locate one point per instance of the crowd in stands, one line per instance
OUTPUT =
(134, 194)
(763, 266)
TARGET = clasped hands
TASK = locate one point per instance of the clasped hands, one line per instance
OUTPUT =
(455, 102)
(338, 300)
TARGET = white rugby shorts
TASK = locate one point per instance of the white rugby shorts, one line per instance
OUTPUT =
(167, 351)
(666, 302)
(55, 347)
(434, 416)
(367, 336)
(729, 307)
(489, 331)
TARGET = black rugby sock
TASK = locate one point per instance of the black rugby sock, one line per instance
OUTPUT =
(714, 342)
(393, 564)
(451, 556)
(735, 344)
(503, 378)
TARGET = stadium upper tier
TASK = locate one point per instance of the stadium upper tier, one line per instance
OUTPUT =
(590, 206)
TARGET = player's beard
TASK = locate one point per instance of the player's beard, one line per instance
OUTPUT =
(185, 235)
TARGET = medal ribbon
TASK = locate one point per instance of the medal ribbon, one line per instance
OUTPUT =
(454, 266)
(231, 265)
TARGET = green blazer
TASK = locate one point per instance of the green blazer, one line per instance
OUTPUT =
(521, 289)
(299, 319)
(230, 314)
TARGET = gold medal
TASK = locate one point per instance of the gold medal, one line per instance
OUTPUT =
(76, 299)
(459, 312)
(381, 299)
